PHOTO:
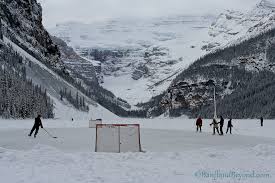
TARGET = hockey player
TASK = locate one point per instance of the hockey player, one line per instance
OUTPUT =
(262, 121)
(37, 124)
(215, 126)
(229, 126)
(199, 124)
(221, 125)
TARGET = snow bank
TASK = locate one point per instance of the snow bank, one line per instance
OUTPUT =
(45, 164)
(174, 153)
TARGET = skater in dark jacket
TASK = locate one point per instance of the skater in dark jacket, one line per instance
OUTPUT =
(221, 125)
(37, 124)
(229, 126)
(262, 121)
(215, 126)
(199, 124)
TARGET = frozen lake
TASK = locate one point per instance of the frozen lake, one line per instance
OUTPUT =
(174, 153)
(152, 140)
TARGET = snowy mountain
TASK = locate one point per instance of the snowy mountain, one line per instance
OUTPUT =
(47, 63)
(134, 55)
(232, 24)
(22, 23)
(74, 63)
(138, 58)
(243, 75)
(38, 62)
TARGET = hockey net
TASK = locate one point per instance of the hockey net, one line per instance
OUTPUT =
(117, 138)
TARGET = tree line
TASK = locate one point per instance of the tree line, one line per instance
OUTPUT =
(19, 97)
(78, 101)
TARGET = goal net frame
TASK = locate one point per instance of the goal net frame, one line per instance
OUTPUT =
(93, 123)
(119, 126)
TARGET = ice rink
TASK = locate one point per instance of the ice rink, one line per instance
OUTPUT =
(174, 152)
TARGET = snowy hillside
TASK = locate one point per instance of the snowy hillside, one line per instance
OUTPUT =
(49, 80)
(233, 24)
(35, 53)
(22, 23)
(242, 74)
(49, 63)
(44, 79)
(150, 50)
(139, 57)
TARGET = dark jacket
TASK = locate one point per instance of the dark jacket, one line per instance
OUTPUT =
(229, 124)
(221, 122)
(38, 123)
(199, 122)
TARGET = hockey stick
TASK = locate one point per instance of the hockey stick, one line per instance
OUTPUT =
(50, 134)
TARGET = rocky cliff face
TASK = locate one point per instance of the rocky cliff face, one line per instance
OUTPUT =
(22, 23)
(74, 63)
(242, 74)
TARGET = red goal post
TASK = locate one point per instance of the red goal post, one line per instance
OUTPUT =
(118, 138)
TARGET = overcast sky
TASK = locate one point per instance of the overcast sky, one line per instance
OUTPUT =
(58, 11)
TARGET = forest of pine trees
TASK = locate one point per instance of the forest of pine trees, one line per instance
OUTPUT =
(78, 102)
(19, 97)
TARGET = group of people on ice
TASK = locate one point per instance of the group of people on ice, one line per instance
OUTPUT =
(217, 126)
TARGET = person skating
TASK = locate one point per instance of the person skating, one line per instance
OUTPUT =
(215, 126)
(229, 126)
(37, 124)
(221, 125)
(199, 124)
(262, 121)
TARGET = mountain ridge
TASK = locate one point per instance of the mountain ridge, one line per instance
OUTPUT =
(48, 62)
(243, 75)
(149, 55)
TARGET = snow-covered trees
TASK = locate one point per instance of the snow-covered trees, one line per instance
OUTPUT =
(19, 98)
(254, 99)
(244, 77)
(78, 102)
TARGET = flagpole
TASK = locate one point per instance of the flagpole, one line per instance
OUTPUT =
(215, 104)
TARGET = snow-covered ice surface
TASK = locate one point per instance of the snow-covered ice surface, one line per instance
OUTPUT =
(174, 152)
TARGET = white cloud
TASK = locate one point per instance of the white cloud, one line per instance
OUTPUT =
(57, 11)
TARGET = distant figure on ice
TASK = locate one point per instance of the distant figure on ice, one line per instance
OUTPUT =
(221, 125)
(37, 124)
(215, 126)
(199, 124)
(262, 121)
(72, 119)
(229, 126)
